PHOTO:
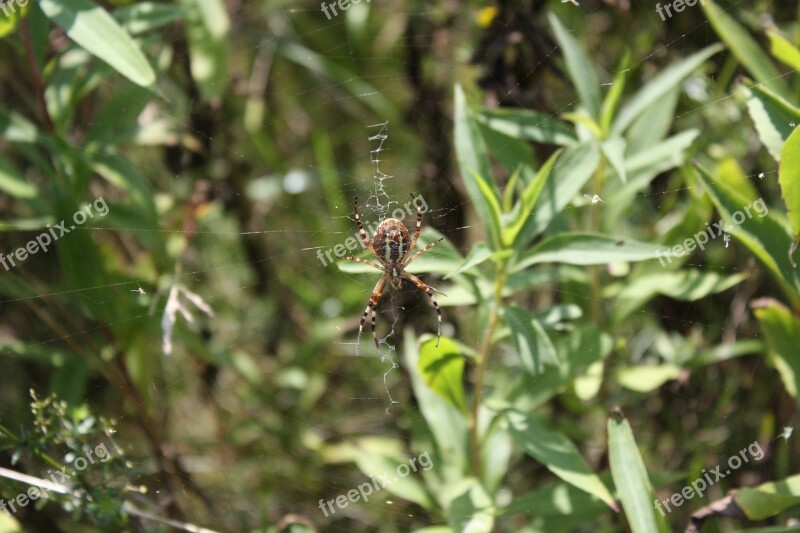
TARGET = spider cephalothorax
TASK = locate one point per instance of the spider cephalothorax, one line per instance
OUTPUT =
(391, 242)
(392, 247)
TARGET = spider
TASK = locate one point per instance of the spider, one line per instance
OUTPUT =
(391, 247)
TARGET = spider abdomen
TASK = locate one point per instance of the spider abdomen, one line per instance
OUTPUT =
(391, 241)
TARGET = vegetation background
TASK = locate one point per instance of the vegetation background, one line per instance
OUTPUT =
(558, 145)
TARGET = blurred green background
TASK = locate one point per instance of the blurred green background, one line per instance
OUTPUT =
(195, 333)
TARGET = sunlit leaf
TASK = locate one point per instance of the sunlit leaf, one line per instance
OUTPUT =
(789, 178)
(442, 369)
(557, 453)
(99, 34)
(630, 478)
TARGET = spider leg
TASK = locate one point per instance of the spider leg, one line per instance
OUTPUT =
(431, 245)
(364, 261)
(419, 227)
(371, 306)
(361, 232)
(429, 290)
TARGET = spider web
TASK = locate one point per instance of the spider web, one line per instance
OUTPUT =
(298, 246)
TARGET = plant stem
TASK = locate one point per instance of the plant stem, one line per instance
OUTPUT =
(36, 74)
(483, 360)
(594, 273)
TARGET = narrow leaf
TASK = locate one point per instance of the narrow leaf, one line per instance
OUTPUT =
(580, 69)
(472, 160)
(99, 34)
(586, 249)
(534, 347)
(557, 453)
(745, 48)
(789, 178)
(659, 86)
(782, 332)
(630, 478)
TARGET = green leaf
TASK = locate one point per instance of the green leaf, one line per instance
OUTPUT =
(479, 253)
(557, 453)
(555, 505)
(651, 126)
(773, 117)
(769, 499)
(783, 50)
(471, 509)
(685, 285)
(446, 423)
(745, 48)
(630, 478)
(669, 152)
(586, 249)
(442, 369)
(143, 17)
(614, 94)
(763, 234)
(524, 208)
(580, 69)
(375, 459)
(527, 125)
(646, 378)
(658, 86)
(789, 178)
(207, 27)
(782, 332)
(568, 178)
(17, 129)
(614, 150)
(99, 34)
(489, 194)
(473, 162)
(13, 183)
(534, 347)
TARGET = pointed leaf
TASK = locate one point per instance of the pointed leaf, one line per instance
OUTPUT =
(660, 85)
(566, 181)
(773, 117)
(557, 453)
(580, 69)
(442, 369)
(630, 478)
(614, 150)
(473, 161)
(528, 125)
(745, 48)
(586, 249)
(782, 331)
(783, 50)
(534, 347)
(789, 178)
(99, 34)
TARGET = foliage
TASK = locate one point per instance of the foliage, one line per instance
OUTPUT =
(228, 142)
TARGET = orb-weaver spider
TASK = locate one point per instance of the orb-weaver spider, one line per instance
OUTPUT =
(391, 247)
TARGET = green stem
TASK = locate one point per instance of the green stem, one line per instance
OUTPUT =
(482, 361)
(594, 271)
